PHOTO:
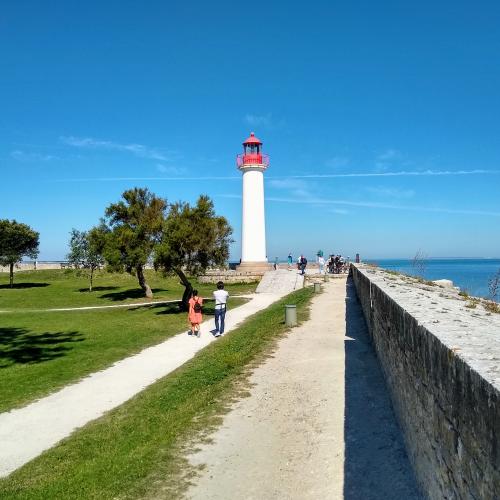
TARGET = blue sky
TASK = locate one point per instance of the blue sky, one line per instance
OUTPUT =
(381, 118)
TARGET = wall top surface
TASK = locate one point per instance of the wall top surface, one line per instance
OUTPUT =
(462, 324)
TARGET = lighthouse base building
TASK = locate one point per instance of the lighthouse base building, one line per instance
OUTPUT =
(252, 163)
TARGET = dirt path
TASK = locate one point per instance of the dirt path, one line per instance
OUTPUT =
(287, 440)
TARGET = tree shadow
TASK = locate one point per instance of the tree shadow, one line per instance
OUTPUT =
(175, 308)
(98, 289)
(170, 308)
(24, 285)
(376, 465)
(21, 346)
(132, 293)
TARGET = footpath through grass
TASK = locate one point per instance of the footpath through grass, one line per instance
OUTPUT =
(56, 288)
(135, 450)
(42, 352)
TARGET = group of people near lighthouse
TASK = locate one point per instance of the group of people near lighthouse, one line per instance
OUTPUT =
(195, 311)
(335, 263)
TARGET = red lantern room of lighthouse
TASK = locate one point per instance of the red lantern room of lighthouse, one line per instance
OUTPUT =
(252, 154)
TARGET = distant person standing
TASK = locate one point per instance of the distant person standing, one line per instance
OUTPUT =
(275, 265)
(195, 316)
(220, 297)
(321, 264)
(290, 260)
(303, 265)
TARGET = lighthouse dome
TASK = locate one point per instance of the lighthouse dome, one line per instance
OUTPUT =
(252, 140)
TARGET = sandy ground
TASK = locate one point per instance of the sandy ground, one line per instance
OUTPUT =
(302, 433)
(287, 439)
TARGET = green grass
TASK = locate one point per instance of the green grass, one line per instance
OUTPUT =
(134, 451)
(41, 352)
(64, 288)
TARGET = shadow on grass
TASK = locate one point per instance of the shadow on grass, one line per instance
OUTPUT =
(175, 308)
(132, 293)
(20, 346)
(24, 285)
(98, 289)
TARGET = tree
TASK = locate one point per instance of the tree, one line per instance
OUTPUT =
(133, 227)
(194, 238)
(494, 285)
(17, 240)
(419, 263)
(86, 251)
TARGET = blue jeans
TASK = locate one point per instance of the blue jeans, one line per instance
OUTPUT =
(220, 315)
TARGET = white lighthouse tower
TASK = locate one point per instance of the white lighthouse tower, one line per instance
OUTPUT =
(252, 163)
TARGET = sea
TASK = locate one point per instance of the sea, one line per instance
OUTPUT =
(471, 275)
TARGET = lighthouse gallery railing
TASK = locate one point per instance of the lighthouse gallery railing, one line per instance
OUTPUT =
(252, 159)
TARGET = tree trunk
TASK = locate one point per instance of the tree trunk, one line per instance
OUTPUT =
(11, 268)
(91, 277)
(142, 281)
(188, 289)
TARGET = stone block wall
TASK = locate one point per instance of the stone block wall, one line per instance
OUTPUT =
(229, 277)
(440, 362)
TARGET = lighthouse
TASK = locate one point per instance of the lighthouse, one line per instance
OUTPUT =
(252, 163)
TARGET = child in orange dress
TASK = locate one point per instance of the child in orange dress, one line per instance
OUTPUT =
(194, 314)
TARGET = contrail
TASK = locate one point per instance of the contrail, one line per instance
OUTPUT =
(404, 173)
(321, 201)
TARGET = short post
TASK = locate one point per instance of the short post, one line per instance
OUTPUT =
(317, 287)
(326, 277)
(291, 315)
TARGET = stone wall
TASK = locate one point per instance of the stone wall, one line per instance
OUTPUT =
(32, 266)
(440, 356)
(229, 277)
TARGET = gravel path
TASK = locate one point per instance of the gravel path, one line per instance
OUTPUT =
(300, 434)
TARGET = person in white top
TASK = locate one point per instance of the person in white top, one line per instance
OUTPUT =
(220, 297)
(321, 264)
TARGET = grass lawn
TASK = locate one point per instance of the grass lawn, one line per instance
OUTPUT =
(41, 352)
(64, 288)
(135, 450)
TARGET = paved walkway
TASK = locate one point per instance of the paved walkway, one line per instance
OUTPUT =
(88, 308)
(317, 424)
(280, 281)
(28, 431)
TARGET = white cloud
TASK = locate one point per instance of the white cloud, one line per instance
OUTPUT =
(403, 173)
(139, 150)
(337, 162)
(170, 170)
(259, 120)
(326, 201)
(31, 157)
(146, 179)
(385, 192)
(387, 158)
(389, 154)
(287, 183)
